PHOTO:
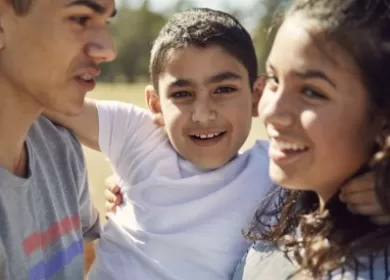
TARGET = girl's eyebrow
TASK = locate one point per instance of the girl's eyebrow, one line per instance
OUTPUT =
(308, 74)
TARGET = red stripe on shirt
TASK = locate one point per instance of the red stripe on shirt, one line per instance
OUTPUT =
(44, 239)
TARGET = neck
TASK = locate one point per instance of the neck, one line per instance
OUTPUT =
(18, 111)
(324, 197)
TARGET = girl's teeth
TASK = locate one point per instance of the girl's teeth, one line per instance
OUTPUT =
(288, 146)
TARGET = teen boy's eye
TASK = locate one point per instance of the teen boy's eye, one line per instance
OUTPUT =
(80, 20)
(225, 90)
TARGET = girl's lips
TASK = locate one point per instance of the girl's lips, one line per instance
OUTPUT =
(285, 156)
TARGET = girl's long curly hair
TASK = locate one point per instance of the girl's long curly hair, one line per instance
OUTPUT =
(334, 238)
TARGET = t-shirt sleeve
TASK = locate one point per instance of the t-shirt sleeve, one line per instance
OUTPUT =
(124, 128)
(89, 215)
(3, 263)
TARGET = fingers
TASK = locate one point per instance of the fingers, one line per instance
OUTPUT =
(362, 183)
(381, 220)
(366, 209)
(110, 207)
(362, 197)
(112, 195)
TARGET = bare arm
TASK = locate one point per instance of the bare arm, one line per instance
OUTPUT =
(85, 125)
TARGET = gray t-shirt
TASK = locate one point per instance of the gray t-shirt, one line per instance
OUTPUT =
(266, 261)
(44, 218)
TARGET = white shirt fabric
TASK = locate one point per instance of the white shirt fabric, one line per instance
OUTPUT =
(178, 222)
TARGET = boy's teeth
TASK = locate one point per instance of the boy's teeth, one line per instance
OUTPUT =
(206, 136)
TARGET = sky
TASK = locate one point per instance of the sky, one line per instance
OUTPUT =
(162, 5)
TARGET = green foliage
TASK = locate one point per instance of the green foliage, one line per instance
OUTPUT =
(133, 32)
(135, 29)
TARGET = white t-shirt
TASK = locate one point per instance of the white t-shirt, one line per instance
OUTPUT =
(178, 222)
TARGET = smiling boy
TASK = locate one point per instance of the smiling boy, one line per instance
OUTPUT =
(188, 192)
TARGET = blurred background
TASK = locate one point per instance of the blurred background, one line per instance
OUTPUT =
(134, 28)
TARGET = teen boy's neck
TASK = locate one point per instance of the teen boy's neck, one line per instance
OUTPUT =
(17, 114)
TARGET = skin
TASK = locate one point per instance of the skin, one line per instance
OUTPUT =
(314, 99)
(43, 55)
(213, 95)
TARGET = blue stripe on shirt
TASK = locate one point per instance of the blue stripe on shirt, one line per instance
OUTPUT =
(45, 270)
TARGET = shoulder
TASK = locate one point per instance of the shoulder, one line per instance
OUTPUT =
(374, 266)
(264, 261)
(260, 149)
(56, 140)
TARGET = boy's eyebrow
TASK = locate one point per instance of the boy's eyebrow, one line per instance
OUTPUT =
(180, 83)
(309, 74)
(223, 76)
(96, 7)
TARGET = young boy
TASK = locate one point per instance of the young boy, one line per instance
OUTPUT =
(187, 191)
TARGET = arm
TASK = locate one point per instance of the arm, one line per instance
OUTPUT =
(85, 125)
(89, 256)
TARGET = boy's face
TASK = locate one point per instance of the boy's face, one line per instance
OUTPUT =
(206, 104)
(50, 56)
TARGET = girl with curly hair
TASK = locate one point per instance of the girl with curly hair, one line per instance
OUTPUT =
(326, 108)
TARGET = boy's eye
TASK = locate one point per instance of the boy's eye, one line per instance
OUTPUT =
(180, 94)
(80, 20)
(225, 90)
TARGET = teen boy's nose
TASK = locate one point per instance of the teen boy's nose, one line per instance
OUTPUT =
(203, 113)
(101, 48)
(276, 109)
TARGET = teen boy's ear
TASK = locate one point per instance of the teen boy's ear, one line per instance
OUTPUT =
(153, 102)
(258, 88)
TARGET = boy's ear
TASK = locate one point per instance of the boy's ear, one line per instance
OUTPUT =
(153, 103)
(258, 88)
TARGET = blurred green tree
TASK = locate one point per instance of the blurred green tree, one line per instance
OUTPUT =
(133, 31)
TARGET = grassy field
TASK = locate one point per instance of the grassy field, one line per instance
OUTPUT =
(98, 167)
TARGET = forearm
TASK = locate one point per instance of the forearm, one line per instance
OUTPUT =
(89, 256)
(85, 125)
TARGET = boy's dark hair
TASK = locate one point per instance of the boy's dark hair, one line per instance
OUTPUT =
(362, 29)
(203, 27)
(21, 7)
